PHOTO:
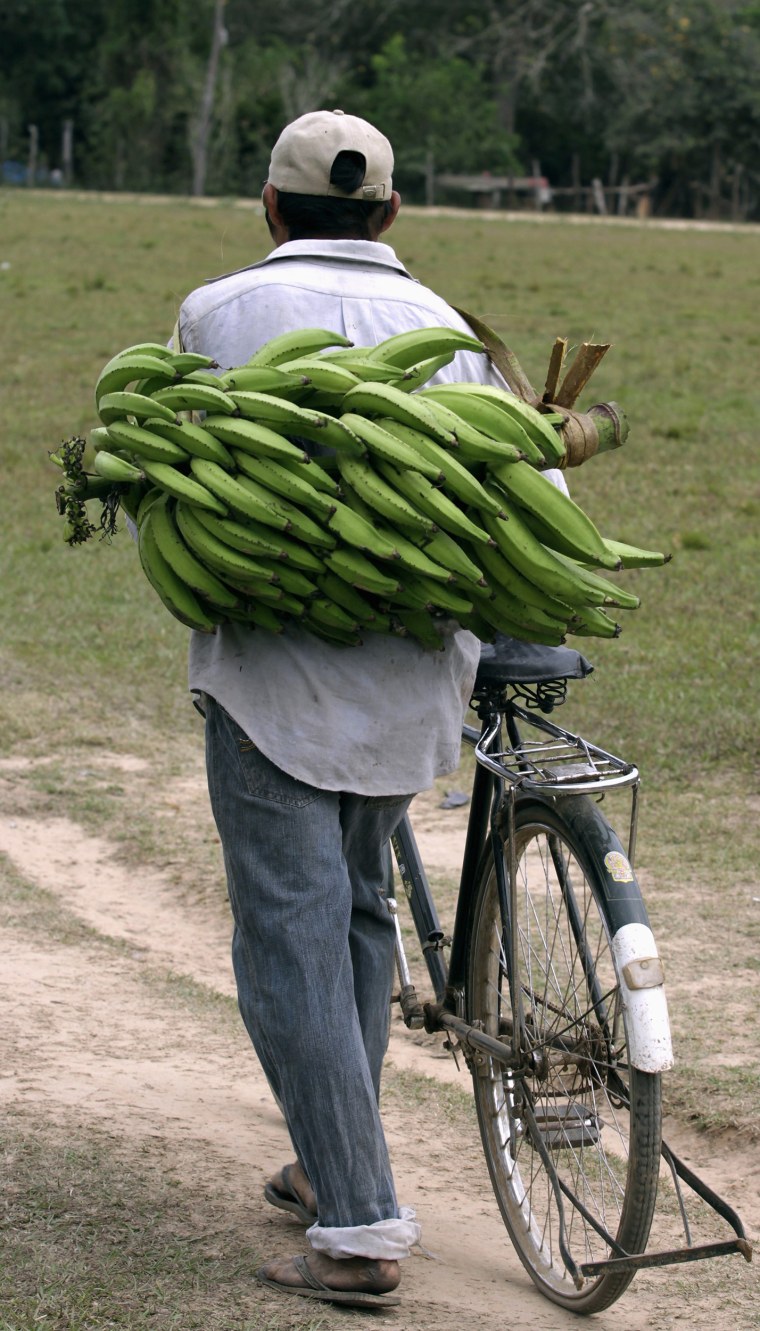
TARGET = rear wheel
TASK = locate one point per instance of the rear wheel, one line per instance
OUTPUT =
(580, 1104)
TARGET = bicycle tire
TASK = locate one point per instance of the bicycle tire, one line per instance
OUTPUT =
(607, 1153)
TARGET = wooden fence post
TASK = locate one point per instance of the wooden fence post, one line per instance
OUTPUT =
(31, 166)
(67, 152)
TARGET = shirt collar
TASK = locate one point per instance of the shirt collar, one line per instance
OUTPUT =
(367, 252)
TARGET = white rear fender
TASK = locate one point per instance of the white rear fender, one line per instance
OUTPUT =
(642, 993)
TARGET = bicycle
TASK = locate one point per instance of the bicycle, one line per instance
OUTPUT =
(553, 991)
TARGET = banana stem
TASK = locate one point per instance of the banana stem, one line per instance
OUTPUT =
(598, 430)
(586, 360)
(611, 425)
(505, 360)
(556, 361)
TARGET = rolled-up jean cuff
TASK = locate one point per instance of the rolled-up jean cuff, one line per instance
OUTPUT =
(386, 1240)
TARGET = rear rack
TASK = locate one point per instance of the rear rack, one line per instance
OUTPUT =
(557, 763)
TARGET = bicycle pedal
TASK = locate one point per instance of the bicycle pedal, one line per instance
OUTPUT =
(567, 1125)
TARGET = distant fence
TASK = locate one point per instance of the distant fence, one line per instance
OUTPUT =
(490, 191)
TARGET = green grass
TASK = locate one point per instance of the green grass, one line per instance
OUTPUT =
(92, 662)
(101, 1232)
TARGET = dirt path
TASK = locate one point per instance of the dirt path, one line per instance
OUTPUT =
(132, 1038)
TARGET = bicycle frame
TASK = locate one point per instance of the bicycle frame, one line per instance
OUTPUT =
(556, 763)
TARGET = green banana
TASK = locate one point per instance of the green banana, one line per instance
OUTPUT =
(266, 593)
(207, 377)
(193, 571)
(149, 498)
(292, 580)
(591, 621)
(253, 538)
(238, 497)
(196, 397)
(255, 614)
(449, 554)
(567, 528)
(159, 349)
(313, 473)
(472, 444)
(358, 571)
(523, 613)
(459, 481)
(366, 370)
(416, 375)
(176, 483)
(284, 482)
(116, 469)
(360, 533)
(267, 408)
(405, 349)
(541, 434)
(496, 615)
(614, 596)
(99, 438)
(439, 596)
(262, 379)
(381, 443)
(536, 562)
(479, 626)
(409, 408)
(327, 376)
(537, 425)
(178, 598)
(419, 625)
(384, 498)
(414, 559)
(484, 416)
(193, 439)
(332, 615)
(142, 443)
(632, 556)
(440, 510)
(300, 525)
(186, 362)
(127, 368)
(343, 594)
(334, 636)
(300, 342)
(221, 558)
(117, 406)
(503, 576)
(253, 437)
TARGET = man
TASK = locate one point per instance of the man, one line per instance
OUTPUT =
(315, 750)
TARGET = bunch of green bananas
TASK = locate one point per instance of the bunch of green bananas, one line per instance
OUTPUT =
(417, 503)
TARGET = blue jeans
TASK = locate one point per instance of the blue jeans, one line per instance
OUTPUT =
(313, 954)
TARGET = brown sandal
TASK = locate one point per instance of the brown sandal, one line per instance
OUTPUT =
(287, 1199)
(313, 1288)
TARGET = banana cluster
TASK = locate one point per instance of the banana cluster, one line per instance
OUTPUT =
(333, 486)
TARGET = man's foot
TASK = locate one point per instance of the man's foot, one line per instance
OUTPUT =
(291, 1191)
(358, 1282)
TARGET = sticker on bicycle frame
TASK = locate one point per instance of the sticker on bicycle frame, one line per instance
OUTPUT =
(618, 867)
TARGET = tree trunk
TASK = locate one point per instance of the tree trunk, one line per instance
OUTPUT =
(716, 176)
(203, 123)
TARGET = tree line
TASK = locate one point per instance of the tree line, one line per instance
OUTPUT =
(188, 95)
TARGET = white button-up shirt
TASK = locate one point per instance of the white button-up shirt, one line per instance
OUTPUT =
(380, 719)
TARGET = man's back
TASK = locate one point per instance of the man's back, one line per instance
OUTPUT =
(354, 287)
(385, 717)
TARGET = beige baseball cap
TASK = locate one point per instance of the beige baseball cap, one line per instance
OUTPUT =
(303, 155)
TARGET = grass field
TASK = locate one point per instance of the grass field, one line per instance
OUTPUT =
(89, 657)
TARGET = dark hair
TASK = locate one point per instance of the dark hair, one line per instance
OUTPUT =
(309, 215)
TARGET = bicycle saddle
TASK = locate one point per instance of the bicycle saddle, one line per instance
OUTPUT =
(508, 660)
